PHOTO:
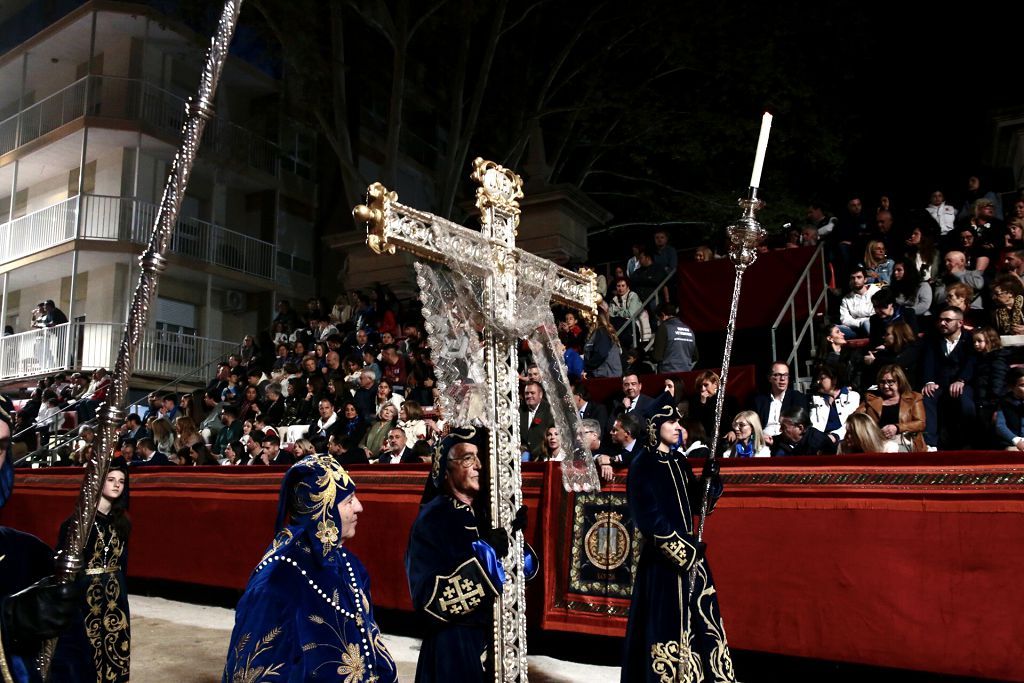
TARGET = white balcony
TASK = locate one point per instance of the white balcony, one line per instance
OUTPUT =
(134, 100)
(87, 346)
(123, 219)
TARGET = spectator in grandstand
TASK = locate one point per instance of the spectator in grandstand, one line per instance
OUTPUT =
(887, 312)
(345, 451)
(921, 252)
(948, 364)
(302, 448)
(282, 357)
(254, 448)
(271, 408)
(1013, 263)
(989, 384)
(411, 420)
(1009, 427)
(396, 449)
(186, 433)
(365, 396)
(232, 392)
(957, 271)
(376, 435)
(534, 417)
(249, 406)
(169, 406)
(781, 395)
(942, 213)
(900, 346)
(392, 367)
(877, 264)
(325, 424)
(94, 395)
(704, 398)
(602, 352)
(344, 310)
(332, 366)
(960, 295)
(163, 434)
(350, 422)
(625, 434)
(149, 454)
(748, 440)
(799, 437)
(897, 410)
(622, 308)
(647, 278)
(834, 348)
(271, 452)
(633, 401)
(1008, 305)
(571, 333)
(133, 428)
(864, 436)
(833, 402)
(551, 448)
(47, 417)
(201, 455)
(675, 346)
(978, 254)
(287, 317)
(909, 290)
(856, 309)
(231, 429)
(385, 395)
(588, 409)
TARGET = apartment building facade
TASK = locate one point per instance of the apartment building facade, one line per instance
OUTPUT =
(91, 108)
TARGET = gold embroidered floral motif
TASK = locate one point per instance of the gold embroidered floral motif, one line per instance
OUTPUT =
(251, 673)
(327, 533)
(352, 667)
(674, 662)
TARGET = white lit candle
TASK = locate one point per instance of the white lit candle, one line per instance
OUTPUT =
(762, 145)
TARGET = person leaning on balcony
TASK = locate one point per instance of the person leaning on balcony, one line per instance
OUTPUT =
(54, 316)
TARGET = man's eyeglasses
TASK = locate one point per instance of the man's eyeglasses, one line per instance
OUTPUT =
(779, 375)
(468, 461)
(948, 320)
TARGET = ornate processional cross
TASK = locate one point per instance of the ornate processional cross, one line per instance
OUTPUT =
(501, 268)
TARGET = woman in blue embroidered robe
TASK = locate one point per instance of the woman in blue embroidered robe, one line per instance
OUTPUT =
(306, 614)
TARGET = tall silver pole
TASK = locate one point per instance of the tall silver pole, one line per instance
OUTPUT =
(198, 111)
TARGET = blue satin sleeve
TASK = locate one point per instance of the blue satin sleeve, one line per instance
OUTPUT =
(491, 564)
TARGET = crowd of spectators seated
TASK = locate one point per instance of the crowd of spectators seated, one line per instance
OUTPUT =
(913, 357)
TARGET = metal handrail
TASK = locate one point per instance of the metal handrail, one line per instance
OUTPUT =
(813, 304)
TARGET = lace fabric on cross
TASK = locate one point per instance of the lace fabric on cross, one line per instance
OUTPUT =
(456, 317)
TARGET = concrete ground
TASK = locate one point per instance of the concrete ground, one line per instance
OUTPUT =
(184, 643)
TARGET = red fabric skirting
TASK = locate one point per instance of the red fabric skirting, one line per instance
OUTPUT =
(901, 561)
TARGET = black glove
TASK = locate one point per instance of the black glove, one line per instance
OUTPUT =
(519, 522)
(498, 539)
(41, 611)
(711, 468)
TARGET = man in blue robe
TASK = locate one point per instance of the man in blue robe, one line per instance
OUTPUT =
(675, 630)
(454, 570)
(306, 614)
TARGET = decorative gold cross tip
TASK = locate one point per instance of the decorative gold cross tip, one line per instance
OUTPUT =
(372, 214)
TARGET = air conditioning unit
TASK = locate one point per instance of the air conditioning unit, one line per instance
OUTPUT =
(234, 301)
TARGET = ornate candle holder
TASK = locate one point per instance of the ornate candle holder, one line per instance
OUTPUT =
(745, 235)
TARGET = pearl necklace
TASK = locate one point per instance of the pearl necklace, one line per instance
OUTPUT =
(359, 620)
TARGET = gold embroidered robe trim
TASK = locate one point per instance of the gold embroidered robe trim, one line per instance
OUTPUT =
(461, 592)
(677, 549)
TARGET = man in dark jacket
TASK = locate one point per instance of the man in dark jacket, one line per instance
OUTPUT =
(780, 397)
(947, 368)
(798, 437)
(675, 347)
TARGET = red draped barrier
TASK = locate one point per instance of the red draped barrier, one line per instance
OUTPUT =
(906, 561)
(705, 290)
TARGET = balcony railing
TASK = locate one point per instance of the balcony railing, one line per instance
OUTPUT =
(87, 346)
(134, 99)
(124, 219)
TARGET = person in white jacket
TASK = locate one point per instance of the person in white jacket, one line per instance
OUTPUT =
(832, 403)
(943, 213)
(856, 309)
